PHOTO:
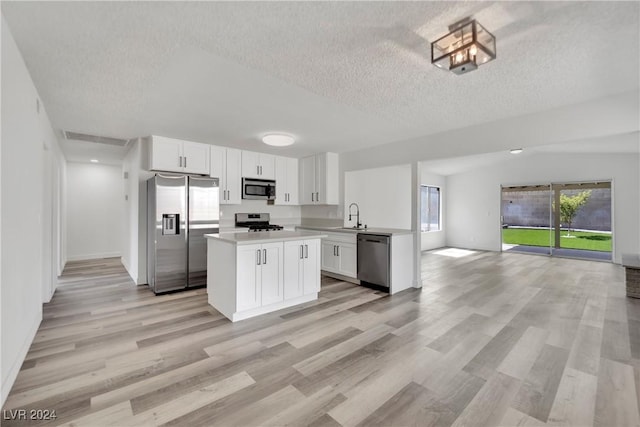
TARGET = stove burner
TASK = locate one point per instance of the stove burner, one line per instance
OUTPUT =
(256, 222)
(265, 227)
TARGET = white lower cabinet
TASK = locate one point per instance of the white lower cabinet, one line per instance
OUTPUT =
(348, 259)
(272, 273)
(339, 254)
(260, 275)
(301, 268)
(248, 291)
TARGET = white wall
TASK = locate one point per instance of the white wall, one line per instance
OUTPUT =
(28, 218)
(473, 202)
(435, 239)
(383, 195)
(94, 210)
(134, 245)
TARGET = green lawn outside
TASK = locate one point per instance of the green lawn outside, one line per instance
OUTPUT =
(535, 237)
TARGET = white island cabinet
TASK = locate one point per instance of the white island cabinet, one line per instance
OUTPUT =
(249, 274)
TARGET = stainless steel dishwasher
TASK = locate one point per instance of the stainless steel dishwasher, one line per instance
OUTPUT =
(374, 259)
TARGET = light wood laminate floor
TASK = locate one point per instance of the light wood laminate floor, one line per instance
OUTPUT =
(491, 339)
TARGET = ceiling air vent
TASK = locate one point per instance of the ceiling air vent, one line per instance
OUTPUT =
(95, 139)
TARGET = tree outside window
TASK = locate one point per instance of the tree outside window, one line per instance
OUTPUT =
(430, 208)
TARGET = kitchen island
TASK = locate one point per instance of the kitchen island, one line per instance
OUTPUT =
(249, 274)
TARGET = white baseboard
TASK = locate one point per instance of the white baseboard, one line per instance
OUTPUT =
(7, 382)
(133, 274)
(93, 256)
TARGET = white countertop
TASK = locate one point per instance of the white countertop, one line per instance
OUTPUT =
(247, 238)
(372, 230)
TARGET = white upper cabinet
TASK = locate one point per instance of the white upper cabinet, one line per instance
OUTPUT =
(234, 176)
(225, 165)
(196, 157)
(319, 179)
(286, 181)
(175, 155)
(258, 165)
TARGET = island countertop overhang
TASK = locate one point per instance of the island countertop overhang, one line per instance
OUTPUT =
(249, 238)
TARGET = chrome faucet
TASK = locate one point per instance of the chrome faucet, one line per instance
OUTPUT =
(358, 224)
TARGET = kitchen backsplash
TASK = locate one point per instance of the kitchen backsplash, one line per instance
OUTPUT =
(281, 215)
(322, 216)
(318, 216)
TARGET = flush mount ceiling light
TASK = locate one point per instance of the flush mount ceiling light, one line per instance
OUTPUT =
(93, 161)
(467, 46)
(278, 140)
(516, 150)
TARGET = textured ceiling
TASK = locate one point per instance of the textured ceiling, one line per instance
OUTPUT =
(339, 76)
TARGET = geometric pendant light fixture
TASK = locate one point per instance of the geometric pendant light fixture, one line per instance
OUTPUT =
(467, 46)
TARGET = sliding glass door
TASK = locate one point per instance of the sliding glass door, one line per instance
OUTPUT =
(561, 219)
(526, 219)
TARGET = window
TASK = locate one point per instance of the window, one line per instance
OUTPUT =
(430, 208)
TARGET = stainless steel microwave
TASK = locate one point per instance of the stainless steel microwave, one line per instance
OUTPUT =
(258, 189)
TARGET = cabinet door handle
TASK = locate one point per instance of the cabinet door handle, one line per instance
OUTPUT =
(306, 250)
(258, 257)
(260, 170)
(264, 251)
(338, 250)
(257, 170)
(301, 251)
(185, 161)
(317, 197)
(180, 161)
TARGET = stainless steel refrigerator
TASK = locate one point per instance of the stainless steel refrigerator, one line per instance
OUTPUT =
(180, 211)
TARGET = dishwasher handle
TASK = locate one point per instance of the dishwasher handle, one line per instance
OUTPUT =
(373, 238)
